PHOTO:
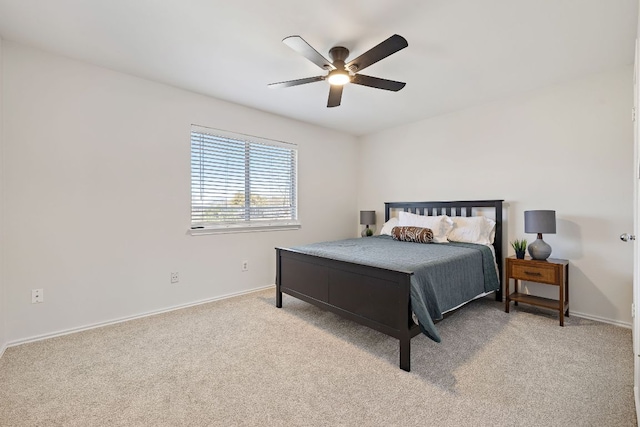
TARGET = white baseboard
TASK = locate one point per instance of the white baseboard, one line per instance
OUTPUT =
(620, 323)
(637, 399)
(208, 300)
(126, 319)
(601, 319)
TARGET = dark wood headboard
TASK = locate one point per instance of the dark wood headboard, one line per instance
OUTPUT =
(459, 208)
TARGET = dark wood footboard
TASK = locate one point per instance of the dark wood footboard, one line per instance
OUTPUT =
(374, 297)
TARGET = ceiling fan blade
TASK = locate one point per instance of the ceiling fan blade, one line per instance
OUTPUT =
(297, 82)
(378, 83)
(298, 44)
(376, 53)
(335, 96)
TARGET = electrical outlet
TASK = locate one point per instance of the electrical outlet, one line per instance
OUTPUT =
(37, 296)
(245, 265)
(174, 277)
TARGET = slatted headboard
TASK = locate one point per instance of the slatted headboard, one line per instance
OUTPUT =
(459, 208)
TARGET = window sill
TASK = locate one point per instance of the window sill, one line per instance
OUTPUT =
(242, 229)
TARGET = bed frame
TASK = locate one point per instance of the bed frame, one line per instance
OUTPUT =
(375, 297)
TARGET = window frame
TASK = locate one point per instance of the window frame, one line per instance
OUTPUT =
(247, 225)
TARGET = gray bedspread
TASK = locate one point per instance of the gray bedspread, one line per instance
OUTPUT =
(445, 275)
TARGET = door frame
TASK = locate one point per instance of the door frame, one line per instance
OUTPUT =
(635, 308)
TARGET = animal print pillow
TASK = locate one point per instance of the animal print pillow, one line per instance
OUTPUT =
(412, 234)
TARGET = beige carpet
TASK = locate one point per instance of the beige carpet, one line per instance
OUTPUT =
(242, 361)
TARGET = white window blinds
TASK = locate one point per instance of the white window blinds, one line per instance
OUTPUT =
(241, 182)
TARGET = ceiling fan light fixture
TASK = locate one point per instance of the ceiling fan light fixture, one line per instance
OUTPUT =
(339, 77)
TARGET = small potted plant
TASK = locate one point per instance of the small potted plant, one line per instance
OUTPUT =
(520, 246)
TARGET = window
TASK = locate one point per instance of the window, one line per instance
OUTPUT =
(241, 182)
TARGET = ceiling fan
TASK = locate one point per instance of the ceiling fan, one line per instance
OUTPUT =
(341, 72)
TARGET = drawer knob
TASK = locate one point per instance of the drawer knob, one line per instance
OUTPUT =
(533, 273)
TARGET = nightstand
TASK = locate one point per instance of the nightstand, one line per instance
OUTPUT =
(554, 272)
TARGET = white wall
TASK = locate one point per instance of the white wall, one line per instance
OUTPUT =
(568, 147)
(97, 193)
(3, 334)
(95, 181)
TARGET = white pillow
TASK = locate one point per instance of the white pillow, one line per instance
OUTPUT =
(388, 226)
(440, 225)
(473, 229)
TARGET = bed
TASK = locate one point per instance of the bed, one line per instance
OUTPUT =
(378, 293)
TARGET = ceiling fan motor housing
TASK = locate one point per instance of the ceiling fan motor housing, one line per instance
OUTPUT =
(339, 55)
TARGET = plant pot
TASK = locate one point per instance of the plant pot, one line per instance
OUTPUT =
(520, 254)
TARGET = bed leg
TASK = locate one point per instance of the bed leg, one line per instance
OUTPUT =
(278, 291)
(405, 354)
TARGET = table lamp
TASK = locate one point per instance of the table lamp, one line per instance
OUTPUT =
(540, 222)
(367, 218)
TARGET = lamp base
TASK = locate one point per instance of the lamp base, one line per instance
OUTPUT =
(366, 232)
(539, 249)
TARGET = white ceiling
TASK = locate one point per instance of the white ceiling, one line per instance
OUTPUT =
(461, 52)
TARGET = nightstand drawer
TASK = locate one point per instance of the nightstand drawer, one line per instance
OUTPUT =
(535, 273)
